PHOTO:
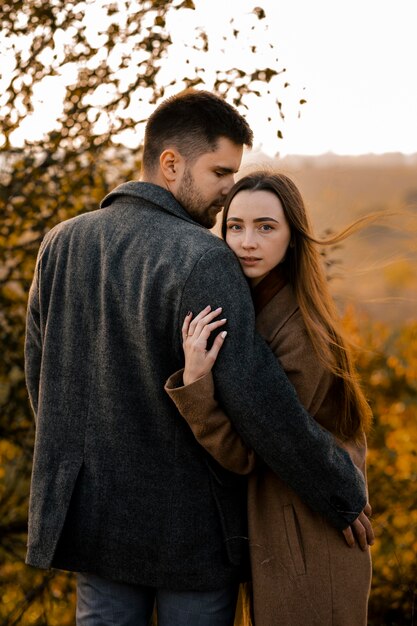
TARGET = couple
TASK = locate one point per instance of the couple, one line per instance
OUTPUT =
(121, 492)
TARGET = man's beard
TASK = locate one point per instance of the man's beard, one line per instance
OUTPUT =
(193, 202)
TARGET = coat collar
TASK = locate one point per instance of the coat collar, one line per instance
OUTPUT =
(158, 196)
(267, 288)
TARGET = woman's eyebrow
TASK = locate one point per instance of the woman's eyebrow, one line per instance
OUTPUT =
(266, 219)
(257, 219)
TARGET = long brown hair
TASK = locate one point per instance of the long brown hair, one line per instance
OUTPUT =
(303, 269)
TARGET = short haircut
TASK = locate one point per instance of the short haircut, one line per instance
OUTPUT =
(192, 121)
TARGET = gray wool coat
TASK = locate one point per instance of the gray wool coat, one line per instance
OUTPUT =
(119, 486)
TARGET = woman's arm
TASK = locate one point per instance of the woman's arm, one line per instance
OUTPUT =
(192, 390)
(210, 425)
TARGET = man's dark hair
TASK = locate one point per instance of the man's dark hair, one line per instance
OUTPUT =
(192, 121)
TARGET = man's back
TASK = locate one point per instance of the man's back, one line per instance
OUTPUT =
(142, 509)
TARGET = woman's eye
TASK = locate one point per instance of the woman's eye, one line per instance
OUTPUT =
(234, 227)
(265, 228)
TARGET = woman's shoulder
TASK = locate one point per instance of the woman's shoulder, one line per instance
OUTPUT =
(282, 326)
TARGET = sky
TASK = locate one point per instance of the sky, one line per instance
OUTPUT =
(353, 61)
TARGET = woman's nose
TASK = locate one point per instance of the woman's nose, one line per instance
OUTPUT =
(248, 241)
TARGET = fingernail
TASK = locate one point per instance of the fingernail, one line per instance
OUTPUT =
(189, 313)
(224, 333)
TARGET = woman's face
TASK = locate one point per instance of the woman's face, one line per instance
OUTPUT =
(257, 231)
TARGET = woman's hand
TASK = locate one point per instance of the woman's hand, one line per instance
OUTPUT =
(195, 334)
(361, 530)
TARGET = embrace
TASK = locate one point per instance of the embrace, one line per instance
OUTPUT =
(200, 428)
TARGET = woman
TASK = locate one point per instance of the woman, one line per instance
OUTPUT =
(302, 570)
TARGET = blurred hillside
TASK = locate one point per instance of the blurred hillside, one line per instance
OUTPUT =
(377, 267)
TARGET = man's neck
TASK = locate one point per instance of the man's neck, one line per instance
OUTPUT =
(155, 179)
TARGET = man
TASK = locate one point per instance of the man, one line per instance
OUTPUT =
(121, 493)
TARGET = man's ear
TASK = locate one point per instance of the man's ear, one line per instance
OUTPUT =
(171, 164)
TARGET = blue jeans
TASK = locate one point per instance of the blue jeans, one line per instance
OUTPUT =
(102, 602)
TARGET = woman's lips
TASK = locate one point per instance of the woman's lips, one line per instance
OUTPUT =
(249, 261)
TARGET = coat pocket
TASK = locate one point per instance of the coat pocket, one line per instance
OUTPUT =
(292, 528)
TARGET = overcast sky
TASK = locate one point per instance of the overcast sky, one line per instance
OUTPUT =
(357, 63)
(354, 62)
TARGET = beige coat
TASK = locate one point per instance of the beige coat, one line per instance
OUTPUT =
(303, 572)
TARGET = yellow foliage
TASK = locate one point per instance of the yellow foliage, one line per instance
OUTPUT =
(387, 362)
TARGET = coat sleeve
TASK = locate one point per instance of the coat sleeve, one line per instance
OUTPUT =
(210, 424)
(254, 391)
(358, 451)
(33, 343)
